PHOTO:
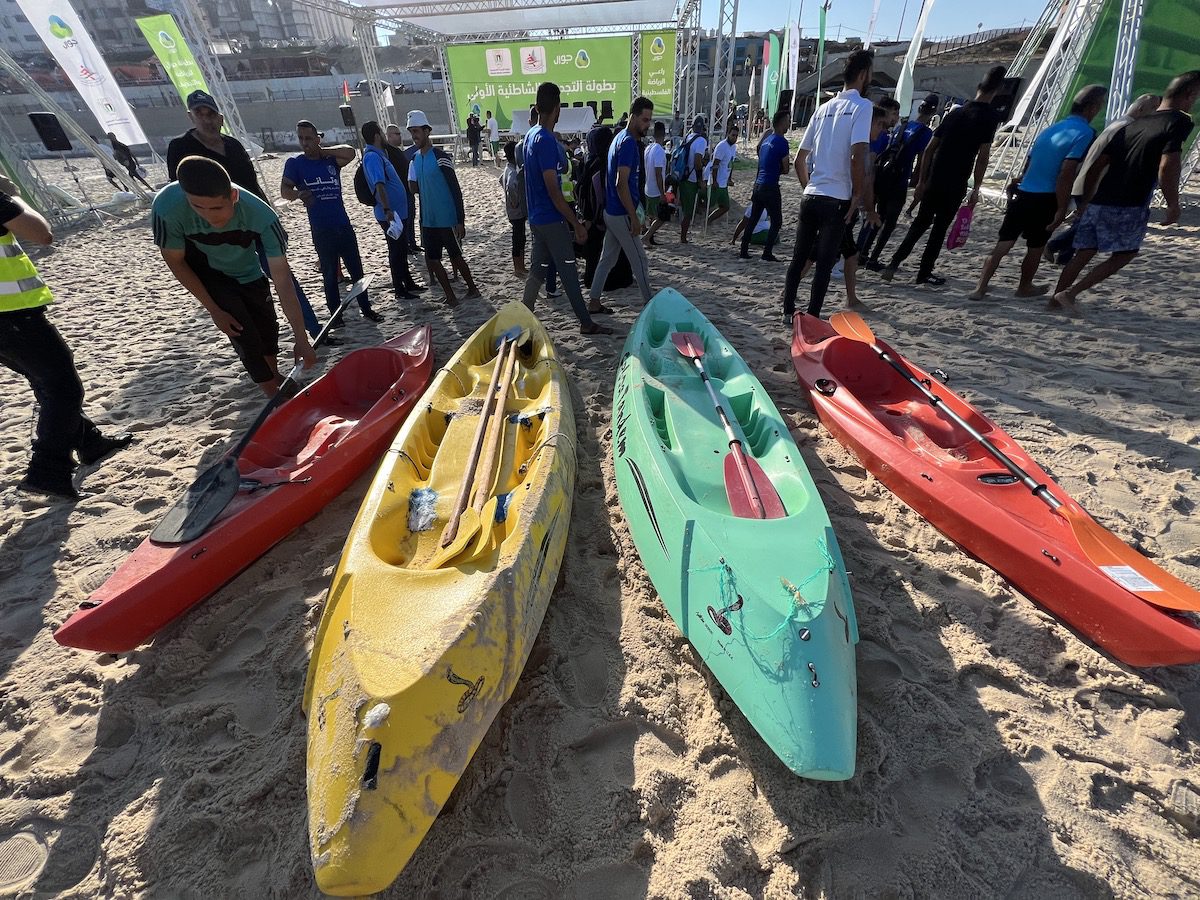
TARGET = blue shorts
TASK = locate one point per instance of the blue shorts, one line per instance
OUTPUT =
(1112, 229)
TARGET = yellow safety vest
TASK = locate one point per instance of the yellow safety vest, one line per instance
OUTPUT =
(568, 186)
(20, 286)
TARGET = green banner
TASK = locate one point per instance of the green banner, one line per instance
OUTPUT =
(503, 78)
(774, 67)
(1167, 47)
(656, 79)
(162, 34)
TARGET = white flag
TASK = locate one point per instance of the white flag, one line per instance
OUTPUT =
(73, 49)
(904, 84)
(794, 54)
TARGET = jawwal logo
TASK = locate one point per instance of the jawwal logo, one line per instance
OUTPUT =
(167, 42)
(59, 28)
(657, 48)
(582, 60)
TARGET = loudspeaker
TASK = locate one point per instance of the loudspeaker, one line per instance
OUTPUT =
(578, 104)
(606, 110)
(50, 130)
(1006, 97)
(592, 105)
(347, 112)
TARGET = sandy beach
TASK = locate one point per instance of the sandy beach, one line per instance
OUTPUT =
(999, 755)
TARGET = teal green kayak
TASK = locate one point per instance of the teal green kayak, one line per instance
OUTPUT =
(765, 601)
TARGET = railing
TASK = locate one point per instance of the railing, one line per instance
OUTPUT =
(948, 45)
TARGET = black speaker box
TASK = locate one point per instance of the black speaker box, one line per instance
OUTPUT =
(347, 112)
(50, 130)
(785, 100)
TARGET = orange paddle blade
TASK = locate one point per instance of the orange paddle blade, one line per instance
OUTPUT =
(741, 503)
(1127, 567)
(853, 326)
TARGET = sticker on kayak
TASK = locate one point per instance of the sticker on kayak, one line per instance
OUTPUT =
(1129, 578)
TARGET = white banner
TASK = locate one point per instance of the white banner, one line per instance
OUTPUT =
(904, 84)
(871, 25)
(793, 54)
(72, 47)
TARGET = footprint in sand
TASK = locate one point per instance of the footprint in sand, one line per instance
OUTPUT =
(609, 882)
(492, 869)
(233, 678)
(23, 855)
(588, 666)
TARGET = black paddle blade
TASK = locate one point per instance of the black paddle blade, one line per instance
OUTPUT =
(200, 505)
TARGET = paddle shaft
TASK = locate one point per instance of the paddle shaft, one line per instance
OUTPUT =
(464, 489)
(273, 404)
(1039, 490)
(735, 443)
(483, 487)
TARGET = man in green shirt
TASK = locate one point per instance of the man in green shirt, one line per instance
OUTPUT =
(226, 225)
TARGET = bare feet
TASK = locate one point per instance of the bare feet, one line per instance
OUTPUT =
(472, 294)
(978, 294)
(521, 274)
(598, 309)
(1064, 301)
(1034, 290)
(855, 303)
(594, 328)
(451, 299)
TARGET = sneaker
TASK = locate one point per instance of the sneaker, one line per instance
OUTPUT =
(338, 322)
(743, 256)
(371, 316)
(770, 257)
(415, 286)
(102, 448)
(332, 341)
(550, 295)
(874, 265)
(931, 280)
(58, 487)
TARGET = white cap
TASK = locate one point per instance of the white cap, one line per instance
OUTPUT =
(417, 119)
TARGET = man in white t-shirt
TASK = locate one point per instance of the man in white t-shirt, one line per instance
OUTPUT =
(719, 174)
(696, 145)
(656, 183)
(493, 128)
(837, 139)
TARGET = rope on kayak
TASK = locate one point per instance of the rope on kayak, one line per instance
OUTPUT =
(732, 600)
(538, 449)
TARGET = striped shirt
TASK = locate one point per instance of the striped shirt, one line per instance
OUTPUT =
(231, 249)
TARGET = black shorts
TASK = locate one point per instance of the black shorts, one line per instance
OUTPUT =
(1029, 216)
(438, 239)
(251, 305)
(662, 210)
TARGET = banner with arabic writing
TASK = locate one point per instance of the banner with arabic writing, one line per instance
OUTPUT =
(503, 78)
(64, 35)
(656, 78)
(174, 55)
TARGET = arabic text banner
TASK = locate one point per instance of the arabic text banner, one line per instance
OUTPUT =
(657, 75)
(504, 78)
(68, 41)
(175, 56)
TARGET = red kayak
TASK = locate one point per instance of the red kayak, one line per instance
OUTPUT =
(941, 471)
(306, 453)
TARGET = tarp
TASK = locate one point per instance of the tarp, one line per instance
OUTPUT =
(572, 120)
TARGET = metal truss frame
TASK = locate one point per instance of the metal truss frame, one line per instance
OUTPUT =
(635, 62)
(1049, 90)
(1191, 168)
(364, 36)
(1036, 35)
(1129, 31)
(687, 51)
(722, 84)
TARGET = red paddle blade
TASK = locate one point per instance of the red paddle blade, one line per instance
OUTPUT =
(1128, 568)
(741, 502)
(689, 344)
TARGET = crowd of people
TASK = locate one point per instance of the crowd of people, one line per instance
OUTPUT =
(607, 200)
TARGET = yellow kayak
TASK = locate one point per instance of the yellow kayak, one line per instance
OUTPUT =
(422, 639)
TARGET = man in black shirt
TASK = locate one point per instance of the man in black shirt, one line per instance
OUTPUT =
(205, 139)
(1115, 206)
(960, 146)
(474, 136)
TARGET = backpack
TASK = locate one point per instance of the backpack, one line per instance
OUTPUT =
(887, 166)
(362, 190)
(677, 168)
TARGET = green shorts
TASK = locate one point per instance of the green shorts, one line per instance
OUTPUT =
(720, 197)
(688, 191)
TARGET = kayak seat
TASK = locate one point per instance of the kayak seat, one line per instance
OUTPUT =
(299, 439)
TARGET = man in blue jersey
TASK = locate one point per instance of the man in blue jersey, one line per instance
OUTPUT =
(1039, 201)
(622, 203)
(773, 155)
(443, 218)
(893, 172)
(552, 222)
(391, 205)
(314, 178)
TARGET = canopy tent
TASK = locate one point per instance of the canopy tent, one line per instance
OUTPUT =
(466, 18)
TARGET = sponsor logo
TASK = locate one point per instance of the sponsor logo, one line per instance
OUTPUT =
(166, 41)
(533, 60)
(499, 62)
(657, 48)
(59, 28)
(582, 60)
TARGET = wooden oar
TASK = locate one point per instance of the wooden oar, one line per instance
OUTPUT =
(464, 489)
(475, 520)
(1108, 552)
(483, 483)
(209, 494)
(750, 492)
